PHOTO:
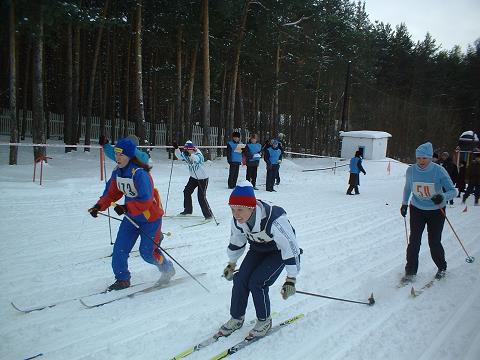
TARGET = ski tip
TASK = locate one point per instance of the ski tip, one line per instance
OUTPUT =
(371, 300)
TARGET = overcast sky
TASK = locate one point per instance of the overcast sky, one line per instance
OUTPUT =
(450, 22)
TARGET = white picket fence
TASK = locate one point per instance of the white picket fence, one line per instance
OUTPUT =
(56, 128)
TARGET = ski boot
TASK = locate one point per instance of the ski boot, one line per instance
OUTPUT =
(230, 326)
(261, 328)
(166, 276)
(440, 274)
(119, 285)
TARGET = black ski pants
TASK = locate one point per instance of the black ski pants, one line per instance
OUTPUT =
(272, 171)
(233, 175)
(434, 219)
(202, 185)
(252, 174)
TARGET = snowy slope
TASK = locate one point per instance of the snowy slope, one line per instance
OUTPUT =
(51, 249)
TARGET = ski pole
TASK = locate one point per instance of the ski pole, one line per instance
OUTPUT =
(469, 259)
(118, 219)
(370, 302)
(102, 158)
(163, 250)
(169, 182)
(406, 231)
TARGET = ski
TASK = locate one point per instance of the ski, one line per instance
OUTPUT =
(197, 224)
(152, 287)
(29, 309)
(414, 293)
(182, 216)
(209, 341)
(248, 341)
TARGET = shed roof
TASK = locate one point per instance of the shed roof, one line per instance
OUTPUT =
(368, 134)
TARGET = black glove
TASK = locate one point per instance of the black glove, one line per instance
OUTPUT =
(437, 199)
(403, 210)
(94, 210)
(103, 140)
(186, 153)
(364, 172)
(175, 145)
(120, 209)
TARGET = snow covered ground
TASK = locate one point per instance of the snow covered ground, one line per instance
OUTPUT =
(51, 250)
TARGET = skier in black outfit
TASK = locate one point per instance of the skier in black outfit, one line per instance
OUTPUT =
(447, 163)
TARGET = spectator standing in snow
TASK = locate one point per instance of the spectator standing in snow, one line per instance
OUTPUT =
(280, 139)
(198, 178)
(132, 179)
(473, 181)
(462, 172)
(430, 187)
(234, 158)
(273, 158)
(447, 163)
(273, 246)
(355, 169)
(252, 152)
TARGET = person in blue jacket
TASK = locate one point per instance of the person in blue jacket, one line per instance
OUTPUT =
(430, 187)
(272, 247)
(273, 158)
(108, 149)
(252, 151)
(355, 169)
(132, 179)
(234, 158)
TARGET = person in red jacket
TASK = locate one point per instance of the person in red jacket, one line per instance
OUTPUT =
(132, 179)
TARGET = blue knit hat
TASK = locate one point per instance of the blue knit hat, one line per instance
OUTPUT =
(189, 145)
(125, 147)
(424, 150)
(243, 195)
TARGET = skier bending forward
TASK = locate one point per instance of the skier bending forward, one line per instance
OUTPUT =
(273, 246)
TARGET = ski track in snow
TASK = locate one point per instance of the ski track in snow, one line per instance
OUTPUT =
(52, 250)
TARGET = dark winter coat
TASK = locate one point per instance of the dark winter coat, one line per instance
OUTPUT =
(451, 169)
(474, 173)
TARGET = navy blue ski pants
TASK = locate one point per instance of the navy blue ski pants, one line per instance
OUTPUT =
(434, 220)
(258, 271)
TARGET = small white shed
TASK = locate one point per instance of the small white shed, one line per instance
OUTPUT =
(372, 144)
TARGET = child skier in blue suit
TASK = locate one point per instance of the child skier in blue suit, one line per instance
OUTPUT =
(273, 246)
(132, 179)
(425, 181)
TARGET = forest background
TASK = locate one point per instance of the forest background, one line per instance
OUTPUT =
(306, 68)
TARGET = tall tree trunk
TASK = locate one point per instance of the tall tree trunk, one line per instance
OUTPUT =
(106, 86)
(38, 123)
(191, 82)
(13, 88)
(243, 126)
(276, 120)
(222, 123)
(178, 102)
(139, 106)
(206, 78)
(236, 62)
(76, 116)
(91, 85)
(26, 87)
(68, 123)
(127, 86)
